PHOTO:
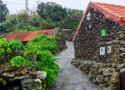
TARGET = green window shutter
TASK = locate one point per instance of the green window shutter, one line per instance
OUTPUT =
(103, 32)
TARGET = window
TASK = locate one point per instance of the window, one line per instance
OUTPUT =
(109, 50)
(105, 50)
(103, 32)
(89, 16)
(102, 50)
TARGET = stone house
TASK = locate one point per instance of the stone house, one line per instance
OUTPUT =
(100, 26)
(99, 44)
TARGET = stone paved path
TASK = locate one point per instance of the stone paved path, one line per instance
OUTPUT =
(71, 78)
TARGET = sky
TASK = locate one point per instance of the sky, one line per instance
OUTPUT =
(16, 5)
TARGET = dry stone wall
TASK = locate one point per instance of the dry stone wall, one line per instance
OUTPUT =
(104, 75)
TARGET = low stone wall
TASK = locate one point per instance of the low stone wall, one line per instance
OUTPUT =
(106, 75)
(21, 78)
(25, 84)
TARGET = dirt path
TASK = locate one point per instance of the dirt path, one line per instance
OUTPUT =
(71, 78)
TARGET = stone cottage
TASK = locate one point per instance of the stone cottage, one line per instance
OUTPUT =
(100, 43)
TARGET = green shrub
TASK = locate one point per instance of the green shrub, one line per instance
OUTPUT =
(3, 43)
(2, 51)
(45, 61)
(15, 44)
(43, 42)
(3, 46)
(20, 61)
(40, 38)
(46, 57)
(51, 74)
(41, 50)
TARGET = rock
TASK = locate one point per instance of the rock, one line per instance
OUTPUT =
(122, 54)
(115, 41)
(115, 81)
(99, 78)
(11, 75)
(5, 74)
(121, 66)
(19, 78)
(122, 49)
(41, 75)
(123, 28)
(122, 70)
(122, 42)
(26, 81)
(16, 88)
(122, 36)
(38, 81)
(107, 72)
(120, 32)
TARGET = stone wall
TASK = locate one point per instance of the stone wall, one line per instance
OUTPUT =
(26, 84)
(21, 78)
(106, 76)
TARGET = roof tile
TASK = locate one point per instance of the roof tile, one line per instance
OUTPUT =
(28, 36)
(114, 12)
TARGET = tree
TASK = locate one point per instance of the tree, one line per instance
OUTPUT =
(3, 11)
(51, 11)
(72, 19)
(61, 17)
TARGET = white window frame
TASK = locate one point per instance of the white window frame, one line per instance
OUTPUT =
(109, 49)
(102, 51)
(89, 16)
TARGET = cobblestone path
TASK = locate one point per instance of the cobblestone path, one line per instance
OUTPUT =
(71, 78)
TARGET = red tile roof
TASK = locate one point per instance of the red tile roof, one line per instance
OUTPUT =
(28, 36)
(114, 12)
